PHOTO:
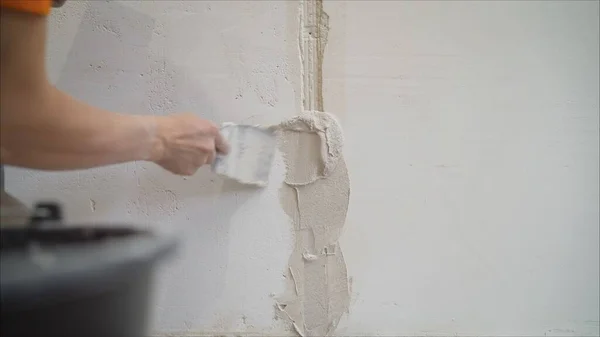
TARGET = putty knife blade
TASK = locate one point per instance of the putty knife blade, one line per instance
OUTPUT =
(251, 153)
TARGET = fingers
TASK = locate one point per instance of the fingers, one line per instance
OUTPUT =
(190, 143)
(221, 144)
(210, 158)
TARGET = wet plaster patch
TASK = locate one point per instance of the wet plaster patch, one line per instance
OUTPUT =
(315, 196)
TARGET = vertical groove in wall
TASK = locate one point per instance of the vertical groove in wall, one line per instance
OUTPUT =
(314, 27)
(315, 194)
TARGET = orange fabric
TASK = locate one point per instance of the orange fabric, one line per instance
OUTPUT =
(40, 7)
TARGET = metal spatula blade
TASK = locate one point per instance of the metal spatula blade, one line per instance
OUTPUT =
(251, 153)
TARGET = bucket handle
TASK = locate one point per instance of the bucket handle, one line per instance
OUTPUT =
(46, 212)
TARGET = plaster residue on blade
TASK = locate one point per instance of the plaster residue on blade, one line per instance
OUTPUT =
(251, 153)
(315, 196)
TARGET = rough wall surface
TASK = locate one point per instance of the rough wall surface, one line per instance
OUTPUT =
(471, 138)
(227, 61)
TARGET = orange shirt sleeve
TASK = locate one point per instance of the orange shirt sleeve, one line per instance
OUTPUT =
(40, 7)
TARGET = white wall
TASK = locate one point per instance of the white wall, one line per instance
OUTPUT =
(472, 147)
(471, 135)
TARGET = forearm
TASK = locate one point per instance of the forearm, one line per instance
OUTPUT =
(43, 127)
(53, 131)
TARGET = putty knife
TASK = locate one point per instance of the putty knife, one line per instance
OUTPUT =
(251, 153)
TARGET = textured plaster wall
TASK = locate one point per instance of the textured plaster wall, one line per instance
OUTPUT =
(226, 61)
(471, 139)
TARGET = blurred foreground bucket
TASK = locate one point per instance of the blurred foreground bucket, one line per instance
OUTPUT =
(58, 280)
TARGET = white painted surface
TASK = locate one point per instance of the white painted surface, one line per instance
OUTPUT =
(472, 146)
(471, 141)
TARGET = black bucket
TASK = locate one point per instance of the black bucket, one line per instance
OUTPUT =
(77, 281)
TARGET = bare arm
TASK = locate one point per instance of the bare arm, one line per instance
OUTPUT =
(44, 128)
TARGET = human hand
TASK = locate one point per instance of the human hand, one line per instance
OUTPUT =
(185, 142)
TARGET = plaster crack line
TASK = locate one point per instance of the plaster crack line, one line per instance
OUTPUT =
(318, 294)
(314, 28)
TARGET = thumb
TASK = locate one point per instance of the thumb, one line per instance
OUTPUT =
(221, 144)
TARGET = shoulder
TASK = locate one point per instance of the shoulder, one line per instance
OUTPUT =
(39, 7)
